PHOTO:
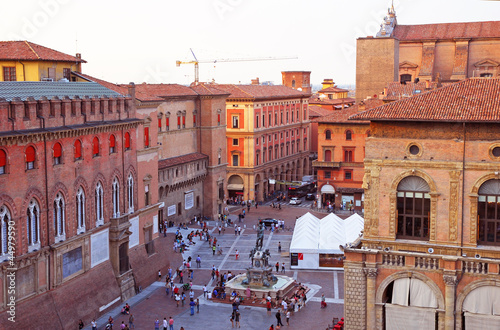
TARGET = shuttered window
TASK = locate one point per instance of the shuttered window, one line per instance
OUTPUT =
(30, 158)
(112, 144)
(3, 161)
(57, 153)
(146, 137)
(127, 141)
(167, 124)
(78, 149)
(95, 145)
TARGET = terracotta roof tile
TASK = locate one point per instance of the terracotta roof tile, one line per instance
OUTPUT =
(470, 100)
(342, 116)
(397, 91)
(259, 91)
(207, 89)
(317, 111)
(28, 51)
(489, 29)
(332, 90)
(164, 163)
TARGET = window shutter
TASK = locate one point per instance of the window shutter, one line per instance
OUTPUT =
(95, 143)
(57, 150)
(30, 154)
(3, 158)
(178, 121)
(184, 120)
(159, 124)
(194, 119)
(78, 149)
(112, 141)
(168, 122)
(146, 136)
(127, 140)
(218, 118)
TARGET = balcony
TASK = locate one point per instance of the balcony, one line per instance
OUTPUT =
(318, 163)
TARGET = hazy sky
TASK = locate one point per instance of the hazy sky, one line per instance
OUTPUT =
(140, 41)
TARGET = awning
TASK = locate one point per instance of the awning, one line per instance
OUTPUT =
(327, 189)
(235, 186)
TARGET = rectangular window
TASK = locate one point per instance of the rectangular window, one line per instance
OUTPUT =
(235, 160)
(257, 159)
(178, 122)
(263, 120)
(348, 175)
(257, 141)
(167, 123)
(184, 121)
(328, 175)
(218, 119)
(194, 120)
(147, 195)
(67, 73)
(146, 137)
(235, 122)
(159, 124)
(257, 121)
(235, 142)
(9, 73)
(269, 122)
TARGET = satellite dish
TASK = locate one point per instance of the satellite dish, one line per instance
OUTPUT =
(299, 89)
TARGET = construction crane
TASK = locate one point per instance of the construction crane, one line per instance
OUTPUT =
(197, 69)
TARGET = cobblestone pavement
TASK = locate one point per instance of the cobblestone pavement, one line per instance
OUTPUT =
(153, 303)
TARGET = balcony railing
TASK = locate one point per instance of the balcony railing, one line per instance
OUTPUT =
(318, 163)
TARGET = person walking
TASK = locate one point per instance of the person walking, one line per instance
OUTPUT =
(171, 323)
(237, 254)
(213, 250)
(277, 267)
(94, 324)
(278, 319)
(237, 318)
(283, 267)
(288, 318)
(181, 277)
(165, 324)
(198, 261)
(197, 305)
(279, 247)
(131, 321)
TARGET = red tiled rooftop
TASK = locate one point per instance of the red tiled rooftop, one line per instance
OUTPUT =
(470, 100)
(332, 90)
(164, 163)
(396, 90)
(207, 89)
(490, 29)
(317, 111)
(259, 91)
(342, 116)
(28, 51)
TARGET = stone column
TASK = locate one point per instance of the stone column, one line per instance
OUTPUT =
(371, 316)
(450, 282)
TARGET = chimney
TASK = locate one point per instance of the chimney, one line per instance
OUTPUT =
(79, 63)
(255, 81)
(361, 106)
(131, 91)
(385, 91)
(427, 84)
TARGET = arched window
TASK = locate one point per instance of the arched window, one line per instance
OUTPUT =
(112, 144)
(78, 150)
(95, 147)
(127, 141)
(4, 220)
(80, 211)
(116, 198)
(488, 212)
(414, 207)
(99, 202)
(328, 135)
(57, 150)
(59, 219)
(30, 158)
(130, 193)
(167, 123)
(348, 135)
(33, 225)
(3, 162)
(328, 155)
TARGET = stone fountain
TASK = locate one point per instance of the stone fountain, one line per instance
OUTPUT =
(259, 277)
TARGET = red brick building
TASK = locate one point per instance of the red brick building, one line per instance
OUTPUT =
(69, 183)
(430, 252)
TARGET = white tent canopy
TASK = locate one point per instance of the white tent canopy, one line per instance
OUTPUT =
(313, 236)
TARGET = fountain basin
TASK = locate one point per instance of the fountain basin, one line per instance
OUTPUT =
(281, 288)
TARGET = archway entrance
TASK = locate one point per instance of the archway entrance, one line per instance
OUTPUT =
(235, 188)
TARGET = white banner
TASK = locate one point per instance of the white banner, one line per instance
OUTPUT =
(99, 247)
(188, 200)
(133, 239)
(155, 224)
(171, 210)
